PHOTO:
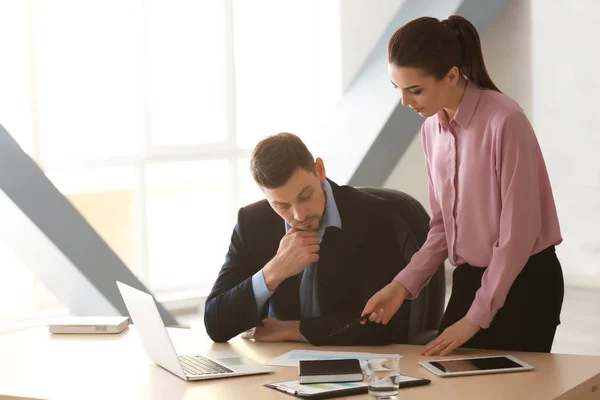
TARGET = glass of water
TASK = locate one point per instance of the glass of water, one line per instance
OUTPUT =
(384, 378)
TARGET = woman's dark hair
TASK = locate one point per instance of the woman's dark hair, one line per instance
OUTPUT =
(436, 46)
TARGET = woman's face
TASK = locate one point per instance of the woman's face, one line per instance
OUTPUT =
(423, 93)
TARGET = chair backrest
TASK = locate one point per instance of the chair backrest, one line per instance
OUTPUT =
(412, 226)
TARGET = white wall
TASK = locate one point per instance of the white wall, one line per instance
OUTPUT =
(362, 24)
(545, 55)
(566, 85)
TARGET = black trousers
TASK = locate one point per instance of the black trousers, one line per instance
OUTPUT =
(531, 312)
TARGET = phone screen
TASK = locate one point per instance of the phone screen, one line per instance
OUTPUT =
(475, 364)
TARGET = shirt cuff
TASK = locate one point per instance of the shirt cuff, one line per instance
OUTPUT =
(409, 284)
(479, 316)
(261, 291)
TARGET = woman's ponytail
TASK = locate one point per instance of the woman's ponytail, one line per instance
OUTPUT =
(473, 65)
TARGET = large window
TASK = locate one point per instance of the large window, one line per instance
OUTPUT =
(144, 112)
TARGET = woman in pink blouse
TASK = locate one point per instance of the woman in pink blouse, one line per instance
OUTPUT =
(493, 213)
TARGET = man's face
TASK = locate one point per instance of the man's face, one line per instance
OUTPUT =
(301, 200)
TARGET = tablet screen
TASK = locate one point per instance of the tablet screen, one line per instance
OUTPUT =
(475, 364)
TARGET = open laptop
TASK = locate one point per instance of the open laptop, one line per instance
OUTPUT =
(160, 349)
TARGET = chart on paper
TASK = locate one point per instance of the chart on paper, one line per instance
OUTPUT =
(291, 358)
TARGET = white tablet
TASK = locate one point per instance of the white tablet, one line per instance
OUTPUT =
(475, 365)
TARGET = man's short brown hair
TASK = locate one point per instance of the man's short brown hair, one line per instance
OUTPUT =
(275, 159)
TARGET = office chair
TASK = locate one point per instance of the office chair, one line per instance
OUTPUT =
(412, 226)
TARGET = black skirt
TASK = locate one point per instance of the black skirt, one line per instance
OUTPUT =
(531, 312)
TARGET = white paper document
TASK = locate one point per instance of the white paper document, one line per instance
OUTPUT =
(291, 358)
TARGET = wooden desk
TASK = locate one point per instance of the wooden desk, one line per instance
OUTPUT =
(35, 364)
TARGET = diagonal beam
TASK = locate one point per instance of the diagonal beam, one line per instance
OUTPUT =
(52, 238)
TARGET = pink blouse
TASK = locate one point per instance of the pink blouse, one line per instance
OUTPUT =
(490, 197)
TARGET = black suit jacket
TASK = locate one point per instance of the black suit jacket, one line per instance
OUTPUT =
(354, 263)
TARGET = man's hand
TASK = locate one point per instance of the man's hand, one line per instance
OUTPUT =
(452, 337)
(275, 330)
(384, 304)
(297, 250)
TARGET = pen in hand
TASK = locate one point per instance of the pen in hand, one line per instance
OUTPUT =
(350, 324)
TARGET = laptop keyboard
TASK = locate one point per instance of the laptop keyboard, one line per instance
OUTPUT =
(198, 365)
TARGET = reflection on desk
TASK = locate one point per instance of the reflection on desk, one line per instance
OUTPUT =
(35, 364)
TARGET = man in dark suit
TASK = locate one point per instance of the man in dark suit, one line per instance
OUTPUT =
(304, 262)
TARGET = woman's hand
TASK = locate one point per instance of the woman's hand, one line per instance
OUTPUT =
(453, 336)
(385, 303)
